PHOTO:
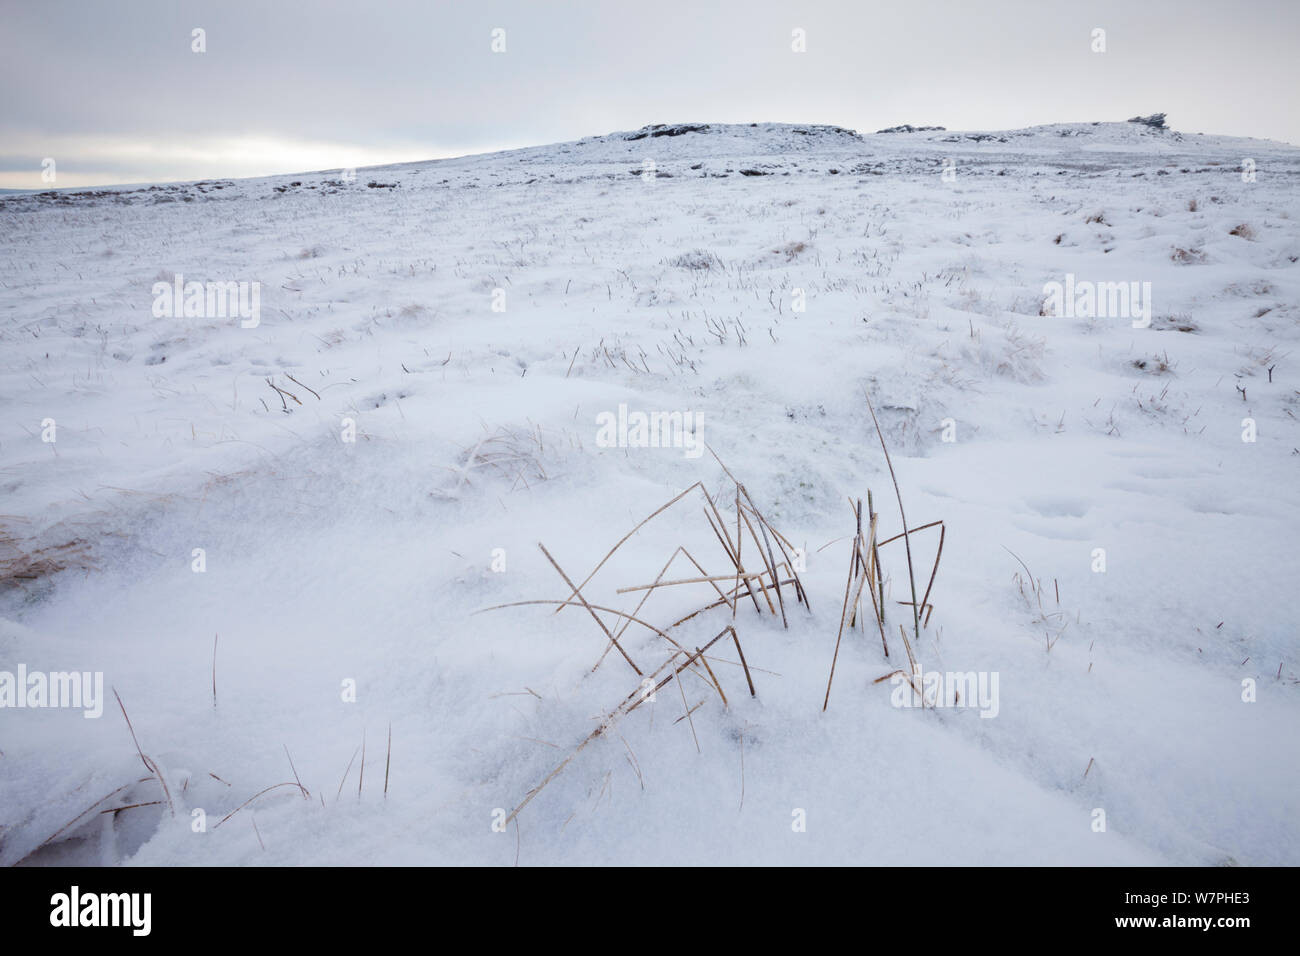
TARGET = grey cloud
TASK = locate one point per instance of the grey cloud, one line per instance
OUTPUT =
(420, 74)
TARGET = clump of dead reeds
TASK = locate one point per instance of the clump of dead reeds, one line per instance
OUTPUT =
(759, 569)
(24, 561)
(1053, 623)
(865, 569)
(514, 453)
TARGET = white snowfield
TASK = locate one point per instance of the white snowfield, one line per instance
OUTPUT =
(447, 366)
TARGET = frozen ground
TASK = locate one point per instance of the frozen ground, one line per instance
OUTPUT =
(330, 561)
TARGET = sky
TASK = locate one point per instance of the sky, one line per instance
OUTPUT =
(113, 92)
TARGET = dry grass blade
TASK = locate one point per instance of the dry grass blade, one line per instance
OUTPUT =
(148, 764)
(911, 658)
(732, 549)
(259, 793)
(688, 710)
(621, 541)
(1033, 583)
(361, 777)
(935, 570)
(282, 393)
(726, 547)
(922, 527)
(705, 661)
(708, 578)
(780, 543)
(743, 663)
(345, 775)
(875, 556)
(699, 567)
(740, 568)
(577, 592)
(608, 610)
(388, 759)
(844, 613)
(900, 673)
(719, 602)
(132, 806)
(771, 566)
(754, 537)
(742, 772)
(907, 539)
(308, 387)
(632, 761)
(879, 610)
(305, 794)
(629, 704)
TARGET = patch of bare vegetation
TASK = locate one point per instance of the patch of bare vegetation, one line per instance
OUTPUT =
(1174, 323)
(1188, 257)
(698, 260)
(1155, 364)
(760, 568)
(25, 560)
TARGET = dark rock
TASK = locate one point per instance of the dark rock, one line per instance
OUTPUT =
(659, 129)
(909, 128)
(1155, 120)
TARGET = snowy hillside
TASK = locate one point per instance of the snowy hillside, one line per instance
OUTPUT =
(441, 365)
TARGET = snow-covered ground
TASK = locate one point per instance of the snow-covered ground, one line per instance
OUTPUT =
(475, 320)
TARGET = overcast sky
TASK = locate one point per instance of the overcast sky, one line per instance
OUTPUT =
(111, 90)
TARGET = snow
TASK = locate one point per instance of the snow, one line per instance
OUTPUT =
(372, 561)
